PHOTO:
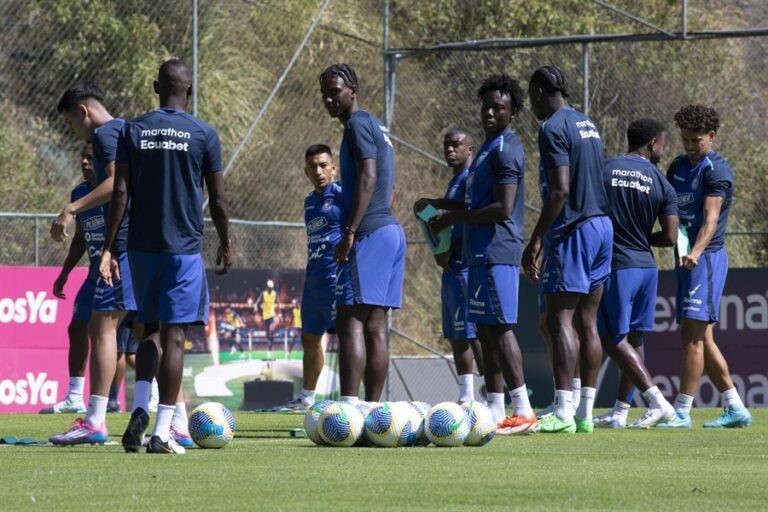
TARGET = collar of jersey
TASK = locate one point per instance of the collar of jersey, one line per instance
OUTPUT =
(170, 110)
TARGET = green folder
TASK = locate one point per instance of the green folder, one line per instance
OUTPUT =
(683, 243)
(440, 242)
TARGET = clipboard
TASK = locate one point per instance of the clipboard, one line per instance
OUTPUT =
(683, 243)
(438, 242)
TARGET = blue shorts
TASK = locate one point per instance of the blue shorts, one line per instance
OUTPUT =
(318, 305)
(493, 294)
(119, 296)
(126, 342)
(699, 290)
(455, 299)
(170, 288)
(580, 261)
(629, 302)
(374, 273)
(84, 299)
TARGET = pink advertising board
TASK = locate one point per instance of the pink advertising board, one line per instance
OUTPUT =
(33, 337)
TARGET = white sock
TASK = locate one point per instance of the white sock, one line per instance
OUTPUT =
(179, 420)
(654, 397)
(163, 422)
(496, 405)
(466, 387)
(731, 398)
(621, 409)
(76, 387)
(307, 396)
(350, 399)
(683, 403)
(521, 406)
(584, 411)
(97, 411)
(564, 404)
(576, 387)
(141, 392)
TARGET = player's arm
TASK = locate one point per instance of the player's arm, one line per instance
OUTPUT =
(96, 197)
(214, 182)
(667, 236)
(497, 211)
(117, 205)
(366, 183)
(558, 179)
(712, 206)
(76, 251)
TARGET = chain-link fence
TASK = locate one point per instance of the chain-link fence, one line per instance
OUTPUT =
(257, 83)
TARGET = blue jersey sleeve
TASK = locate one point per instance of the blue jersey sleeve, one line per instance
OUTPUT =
(718, 181)
(506, 167)
(106, 142)
(554, 145)
(669, 198)
(212, 157)
(362, 140)
(121, 154)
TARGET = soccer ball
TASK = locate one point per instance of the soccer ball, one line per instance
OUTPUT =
(447, 424)
(341, 424)
(482, 426)
(389, 425)
(418, 420)
(211, 425)
(365, 409)
(312, 421)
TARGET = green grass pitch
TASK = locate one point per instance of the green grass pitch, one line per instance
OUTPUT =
(264, 469)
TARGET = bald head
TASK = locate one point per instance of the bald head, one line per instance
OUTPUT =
(174, 84)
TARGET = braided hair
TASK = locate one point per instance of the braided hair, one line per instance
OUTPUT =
(344, 71)
(551, 79)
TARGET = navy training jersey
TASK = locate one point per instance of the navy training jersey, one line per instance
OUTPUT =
(92, 224)
(104, 140)
(569, 138)
(499, 161)
(168, 152)
(457, 191)
(322, 216)
(711, 176)
(638, 195)
(365, 137)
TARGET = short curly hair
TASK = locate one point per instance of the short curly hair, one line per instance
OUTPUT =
(698, 118)
(505, 84)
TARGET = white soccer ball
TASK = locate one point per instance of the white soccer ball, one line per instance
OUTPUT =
(365, 409)
(312, 421)
(418, 423)
(447, 424)
(211, 425)
(482, 426)
(341, 424)
(389, 425)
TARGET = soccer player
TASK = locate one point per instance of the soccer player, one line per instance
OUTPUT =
(371, 252)
(90, 222)
(493, 241)
(575, 235)
(703, 181)
(267, 302)
(638, 195)
(322, 216)
(83, 108)
(163, 159)
(458, 150)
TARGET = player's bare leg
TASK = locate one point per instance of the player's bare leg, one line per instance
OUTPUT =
(377, 356)
(494, 383)
(590, 356)
(464, 359)
(76, 361)
(350, 322)
(735, 414)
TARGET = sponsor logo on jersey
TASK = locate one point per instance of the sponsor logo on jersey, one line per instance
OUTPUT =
(316, 223)
(93, 223)
(684, 199)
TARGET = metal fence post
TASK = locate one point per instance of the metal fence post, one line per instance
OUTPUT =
(37, 241)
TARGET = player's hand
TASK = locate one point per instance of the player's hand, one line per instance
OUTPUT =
(420, 205)
(223, 257)
(60, 224)
(58, 286)
(344, 247)
(440, 222)
(530, 260)
(689, 261)
(444, 260)
(108, 268)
